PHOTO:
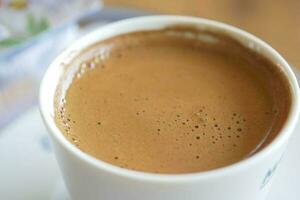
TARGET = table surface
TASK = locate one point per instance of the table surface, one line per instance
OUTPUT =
(275, 21)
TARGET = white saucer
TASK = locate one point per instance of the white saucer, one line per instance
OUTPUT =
(28, 169)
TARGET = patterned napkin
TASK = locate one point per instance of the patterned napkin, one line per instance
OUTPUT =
(32, 33)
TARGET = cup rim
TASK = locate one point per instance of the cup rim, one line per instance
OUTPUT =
(51, 76)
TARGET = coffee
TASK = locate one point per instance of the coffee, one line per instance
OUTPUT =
(177, 100)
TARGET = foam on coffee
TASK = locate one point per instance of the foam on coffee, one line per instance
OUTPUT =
(176, 100)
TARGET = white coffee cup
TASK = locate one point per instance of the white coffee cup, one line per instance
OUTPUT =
(88, 178)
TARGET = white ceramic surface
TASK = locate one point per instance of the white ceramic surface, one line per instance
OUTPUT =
(89, 178)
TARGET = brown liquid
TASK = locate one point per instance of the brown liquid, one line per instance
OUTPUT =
(161, 102)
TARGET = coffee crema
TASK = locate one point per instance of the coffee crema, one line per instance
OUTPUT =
(177, 100)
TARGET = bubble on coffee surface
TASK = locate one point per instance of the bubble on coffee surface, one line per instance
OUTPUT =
(96, 60)
(88, 65)
(67, 124)
(201, 124)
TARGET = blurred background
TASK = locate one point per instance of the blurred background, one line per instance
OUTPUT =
(33, 32)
